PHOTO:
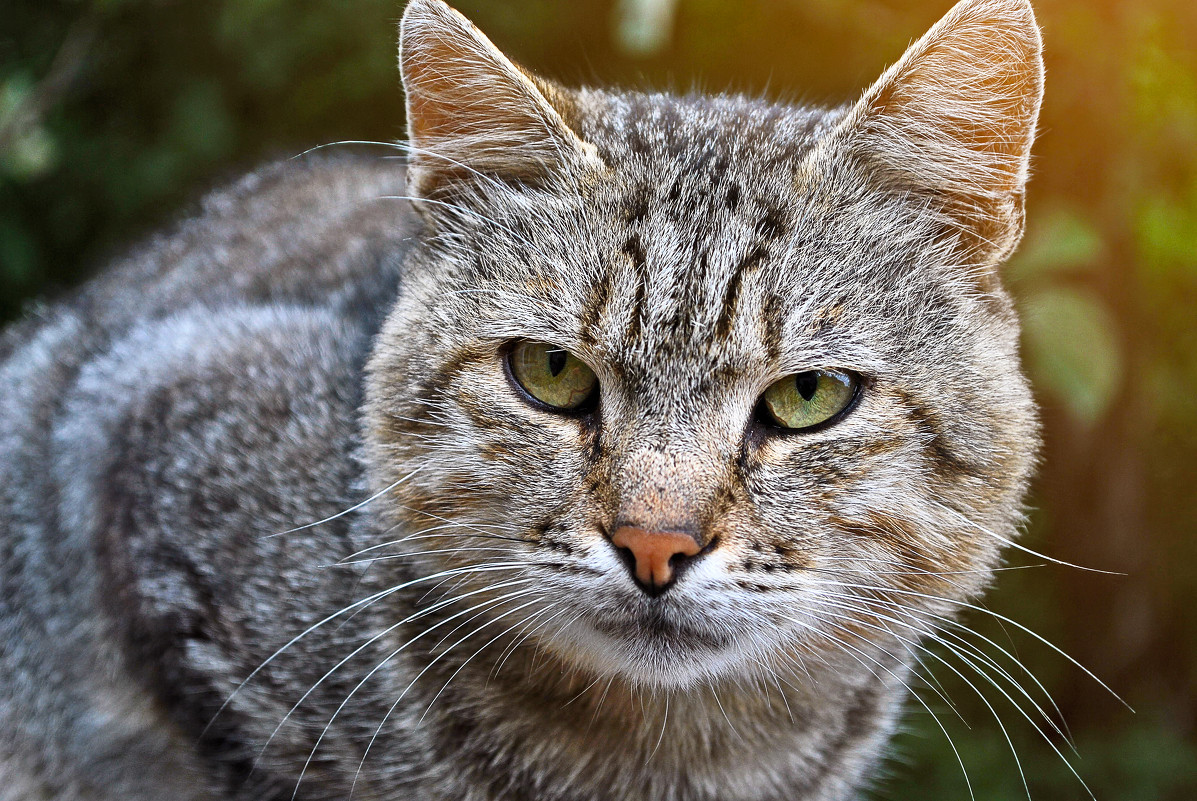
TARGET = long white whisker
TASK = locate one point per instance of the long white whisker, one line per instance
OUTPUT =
(353, 508)
(481, 606)
(909, 689)
(664, 723)
(996, 615)
(1011, 543)
(425, 669)
(467, 660)
(912, 645)
(369, 560)
(515, 643)
(367, 644)
(939, 631)
(357, 605)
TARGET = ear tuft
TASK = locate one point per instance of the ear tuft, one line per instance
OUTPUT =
(470, 110)
(956, 117)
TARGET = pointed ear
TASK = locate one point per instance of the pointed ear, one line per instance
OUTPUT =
(471, 110)
(955, 118)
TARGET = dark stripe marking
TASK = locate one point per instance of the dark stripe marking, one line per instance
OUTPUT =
(596, 303)
(947, 463)
(634, 249)
(769, 228)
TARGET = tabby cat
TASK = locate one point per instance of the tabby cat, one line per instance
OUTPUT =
(619, 446)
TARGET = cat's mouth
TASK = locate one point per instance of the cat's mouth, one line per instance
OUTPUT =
(652, 645)
(654, 628)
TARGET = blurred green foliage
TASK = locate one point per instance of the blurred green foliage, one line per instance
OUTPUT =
(114, 113)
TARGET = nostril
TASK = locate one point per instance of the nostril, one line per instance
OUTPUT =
(654, 558)
(627, 557)
(677, 560)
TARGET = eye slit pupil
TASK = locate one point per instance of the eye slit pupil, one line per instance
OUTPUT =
(557, 360)
(807, 384)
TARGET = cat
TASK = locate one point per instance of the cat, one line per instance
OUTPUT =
(617, 446)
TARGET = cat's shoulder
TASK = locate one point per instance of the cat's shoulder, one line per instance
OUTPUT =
(312, 244)
(213, 340)
(187, 381)
(317, 230)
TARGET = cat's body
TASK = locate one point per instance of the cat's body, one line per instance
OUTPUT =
(171, 430)
(93, 386)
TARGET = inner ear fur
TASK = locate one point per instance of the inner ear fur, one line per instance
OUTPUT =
(471, 112)
(954, 119)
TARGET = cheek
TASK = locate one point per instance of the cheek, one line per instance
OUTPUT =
(478, 446)
(821, 507)
(883, 525)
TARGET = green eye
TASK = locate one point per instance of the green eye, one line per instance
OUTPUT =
(807, 399)
(552, 375)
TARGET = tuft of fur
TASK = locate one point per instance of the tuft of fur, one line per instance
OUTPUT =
(277, 522)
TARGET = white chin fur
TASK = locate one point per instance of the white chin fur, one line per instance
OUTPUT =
(661, 665)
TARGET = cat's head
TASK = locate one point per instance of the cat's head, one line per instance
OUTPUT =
(685, 386)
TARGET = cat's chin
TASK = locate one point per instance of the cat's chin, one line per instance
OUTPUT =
(651, 651)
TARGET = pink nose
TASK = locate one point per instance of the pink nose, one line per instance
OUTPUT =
(655, 553)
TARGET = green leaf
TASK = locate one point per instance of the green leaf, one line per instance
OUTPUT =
(1061, 240)
(1072, 351)
(31, 151)
(1164, 229)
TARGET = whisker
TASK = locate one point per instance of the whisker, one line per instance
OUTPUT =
(913, 694)
(357, 605)
(405, 148)
(599, 704)
(511, 648)
(470, 526)
(664, 723)
(367, 644)
(491, 602)
(425, 669)
(996, 615)
(424, 533)
(938, 631)
(462, 666)
(407, 555)
(731, 726)
(353, 508)
(912, 645)
(1018, 546)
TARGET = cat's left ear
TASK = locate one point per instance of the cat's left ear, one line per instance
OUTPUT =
(472, 113)
(954, 119)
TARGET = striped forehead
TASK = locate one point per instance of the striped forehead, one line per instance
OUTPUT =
(685, 273)
(683, 256)
(699, 209)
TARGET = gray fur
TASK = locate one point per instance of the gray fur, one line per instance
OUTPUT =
(183, 437)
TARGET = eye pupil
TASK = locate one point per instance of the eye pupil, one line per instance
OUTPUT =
(807, 384)
(557, 360)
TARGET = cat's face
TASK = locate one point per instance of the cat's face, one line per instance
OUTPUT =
(694, 257)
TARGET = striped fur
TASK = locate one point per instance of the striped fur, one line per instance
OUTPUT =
(183, 438)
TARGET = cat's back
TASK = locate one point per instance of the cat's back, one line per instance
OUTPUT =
(200, 371)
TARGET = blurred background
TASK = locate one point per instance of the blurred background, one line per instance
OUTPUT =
(115, 114)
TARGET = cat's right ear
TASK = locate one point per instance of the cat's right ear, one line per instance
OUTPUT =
(472, 113)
